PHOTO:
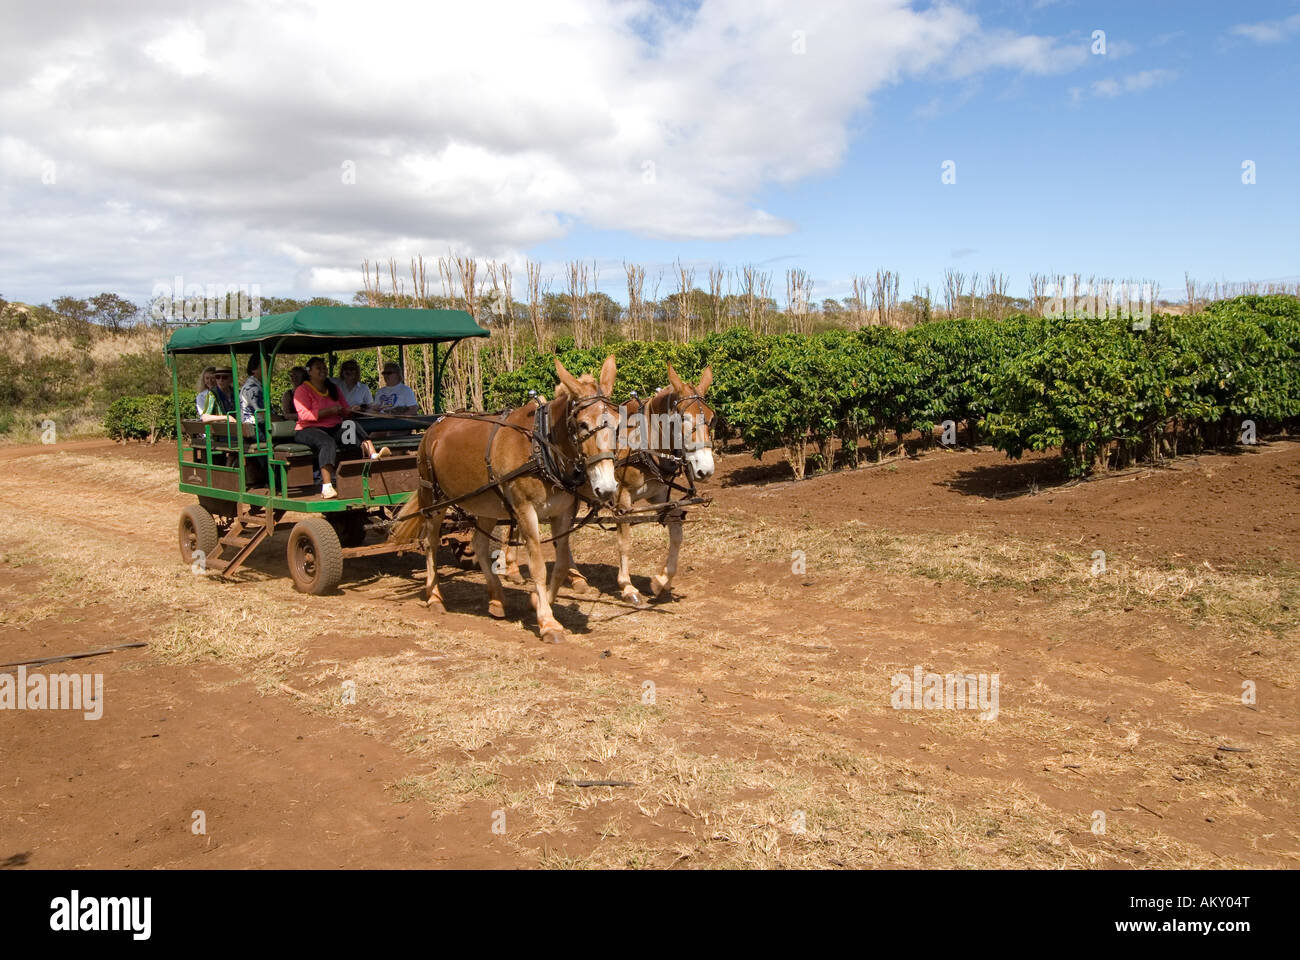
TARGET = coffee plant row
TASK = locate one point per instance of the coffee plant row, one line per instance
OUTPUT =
(1098, 390)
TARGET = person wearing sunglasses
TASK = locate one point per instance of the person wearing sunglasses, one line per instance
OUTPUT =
(220, 402)
(393, 396)
(356, 393)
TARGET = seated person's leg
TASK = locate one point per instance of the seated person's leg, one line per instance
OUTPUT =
(325, 447)
(364, 444)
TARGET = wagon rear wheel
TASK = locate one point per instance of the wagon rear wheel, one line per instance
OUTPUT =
(315, 556)
(198, 531)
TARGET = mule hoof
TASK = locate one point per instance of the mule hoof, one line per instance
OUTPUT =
(634, 597)
(553, 636)
(497, 609)
(435, 604)
(659, 586)
(579, 585)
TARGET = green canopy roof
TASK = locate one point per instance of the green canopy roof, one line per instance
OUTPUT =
(313, 329)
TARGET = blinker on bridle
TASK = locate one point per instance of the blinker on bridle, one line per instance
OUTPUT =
(693, 446)
(581, 433)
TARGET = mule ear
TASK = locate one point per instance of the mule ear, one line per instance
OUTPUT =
(706, 380)
(567, 379)
(676, 381)
(608, 369)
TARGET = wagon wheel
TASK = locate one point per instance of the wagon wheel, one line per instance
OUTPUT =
(198, 531)
(350, 525)
(315, 556)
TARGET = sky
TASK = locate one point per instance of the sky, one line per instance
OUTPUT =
(281, 143)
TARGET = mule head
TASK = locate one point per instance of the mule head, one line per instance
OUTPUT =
(697, 422)
(592, 425)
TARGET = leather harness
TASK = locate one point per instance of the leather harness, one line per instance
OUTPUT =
(546, 461)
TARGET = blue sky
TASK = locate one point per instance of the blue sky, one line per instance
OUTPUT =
(213, 141)
(1050, 174)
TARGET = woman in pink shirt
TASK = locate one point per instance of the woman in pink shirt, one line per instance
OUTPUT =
(321, 412)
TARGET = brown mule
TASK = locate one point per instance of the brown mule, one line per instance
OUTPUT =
(453, 462)
(642, 475)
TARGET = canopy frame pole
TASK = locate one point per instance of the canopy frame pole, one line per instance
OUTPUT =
(270, 428)
(239, 422)
(173, 363)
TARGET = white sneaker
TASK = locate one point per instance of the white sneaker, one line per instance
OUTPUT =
(327, 491)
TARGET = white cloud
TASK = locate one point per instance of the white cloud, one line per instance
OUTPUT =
(183, 48)
(221, 130)
(1131, 83)
(1043, 56)
(1269, 31)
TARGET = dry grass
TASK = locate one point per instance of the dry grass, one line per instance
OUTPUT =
(78, 418)
(770, 741)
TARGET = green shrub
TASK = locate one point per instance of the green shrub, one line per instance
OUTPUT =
(148, 417)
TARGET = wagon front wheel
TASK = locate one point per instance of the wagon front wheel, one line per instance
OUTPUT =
(198, 531)
(315, 556)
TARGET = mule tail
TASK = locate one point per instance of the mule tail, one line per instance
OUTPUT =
(409, 522)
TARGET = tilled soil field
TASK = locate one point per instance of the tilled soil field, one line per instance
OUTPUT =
(1146, 711)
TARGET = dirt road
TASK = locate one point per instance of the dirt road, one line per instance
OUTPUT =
(752, 716)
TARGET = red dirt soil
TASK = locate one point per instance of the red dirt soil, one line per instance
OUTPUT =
(285, 787)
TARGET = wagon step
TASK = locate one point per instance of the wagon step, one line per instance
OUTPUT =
(246, 540)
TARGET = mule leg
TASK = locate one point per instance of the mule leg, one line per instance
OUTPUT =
(550, 628)
(513, 573)
(432, 534)
(563, 570)
(483, 551)
(575, 579)
(660, 583)
(630, 593)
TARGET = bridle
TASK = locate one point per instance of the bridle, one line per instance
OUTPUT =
(545, 460)
(692, 446)
(580, 432)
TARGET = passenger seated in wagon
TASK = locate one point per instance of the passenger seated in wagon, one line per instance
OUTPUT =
(321, 412)
(287, 410)
(251, 393)
(219, 402)
(355, 393)
(394, 396)
(207, 381)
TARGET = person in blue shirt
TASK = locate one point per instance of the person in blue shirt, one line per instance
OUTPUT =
(250, 394)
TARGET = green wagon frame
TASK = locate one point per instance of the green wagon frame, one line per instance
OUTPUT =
(248, 480)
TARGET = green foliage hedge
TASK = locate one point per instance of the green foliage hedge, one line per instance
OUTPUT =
(1099, 390)
(1105, 393)
(148, 417)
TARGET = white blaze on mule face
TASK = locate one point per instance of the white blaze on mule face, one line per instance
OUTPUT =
(603, 482)
(600, 474)
(701, 463)
(699, 458)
